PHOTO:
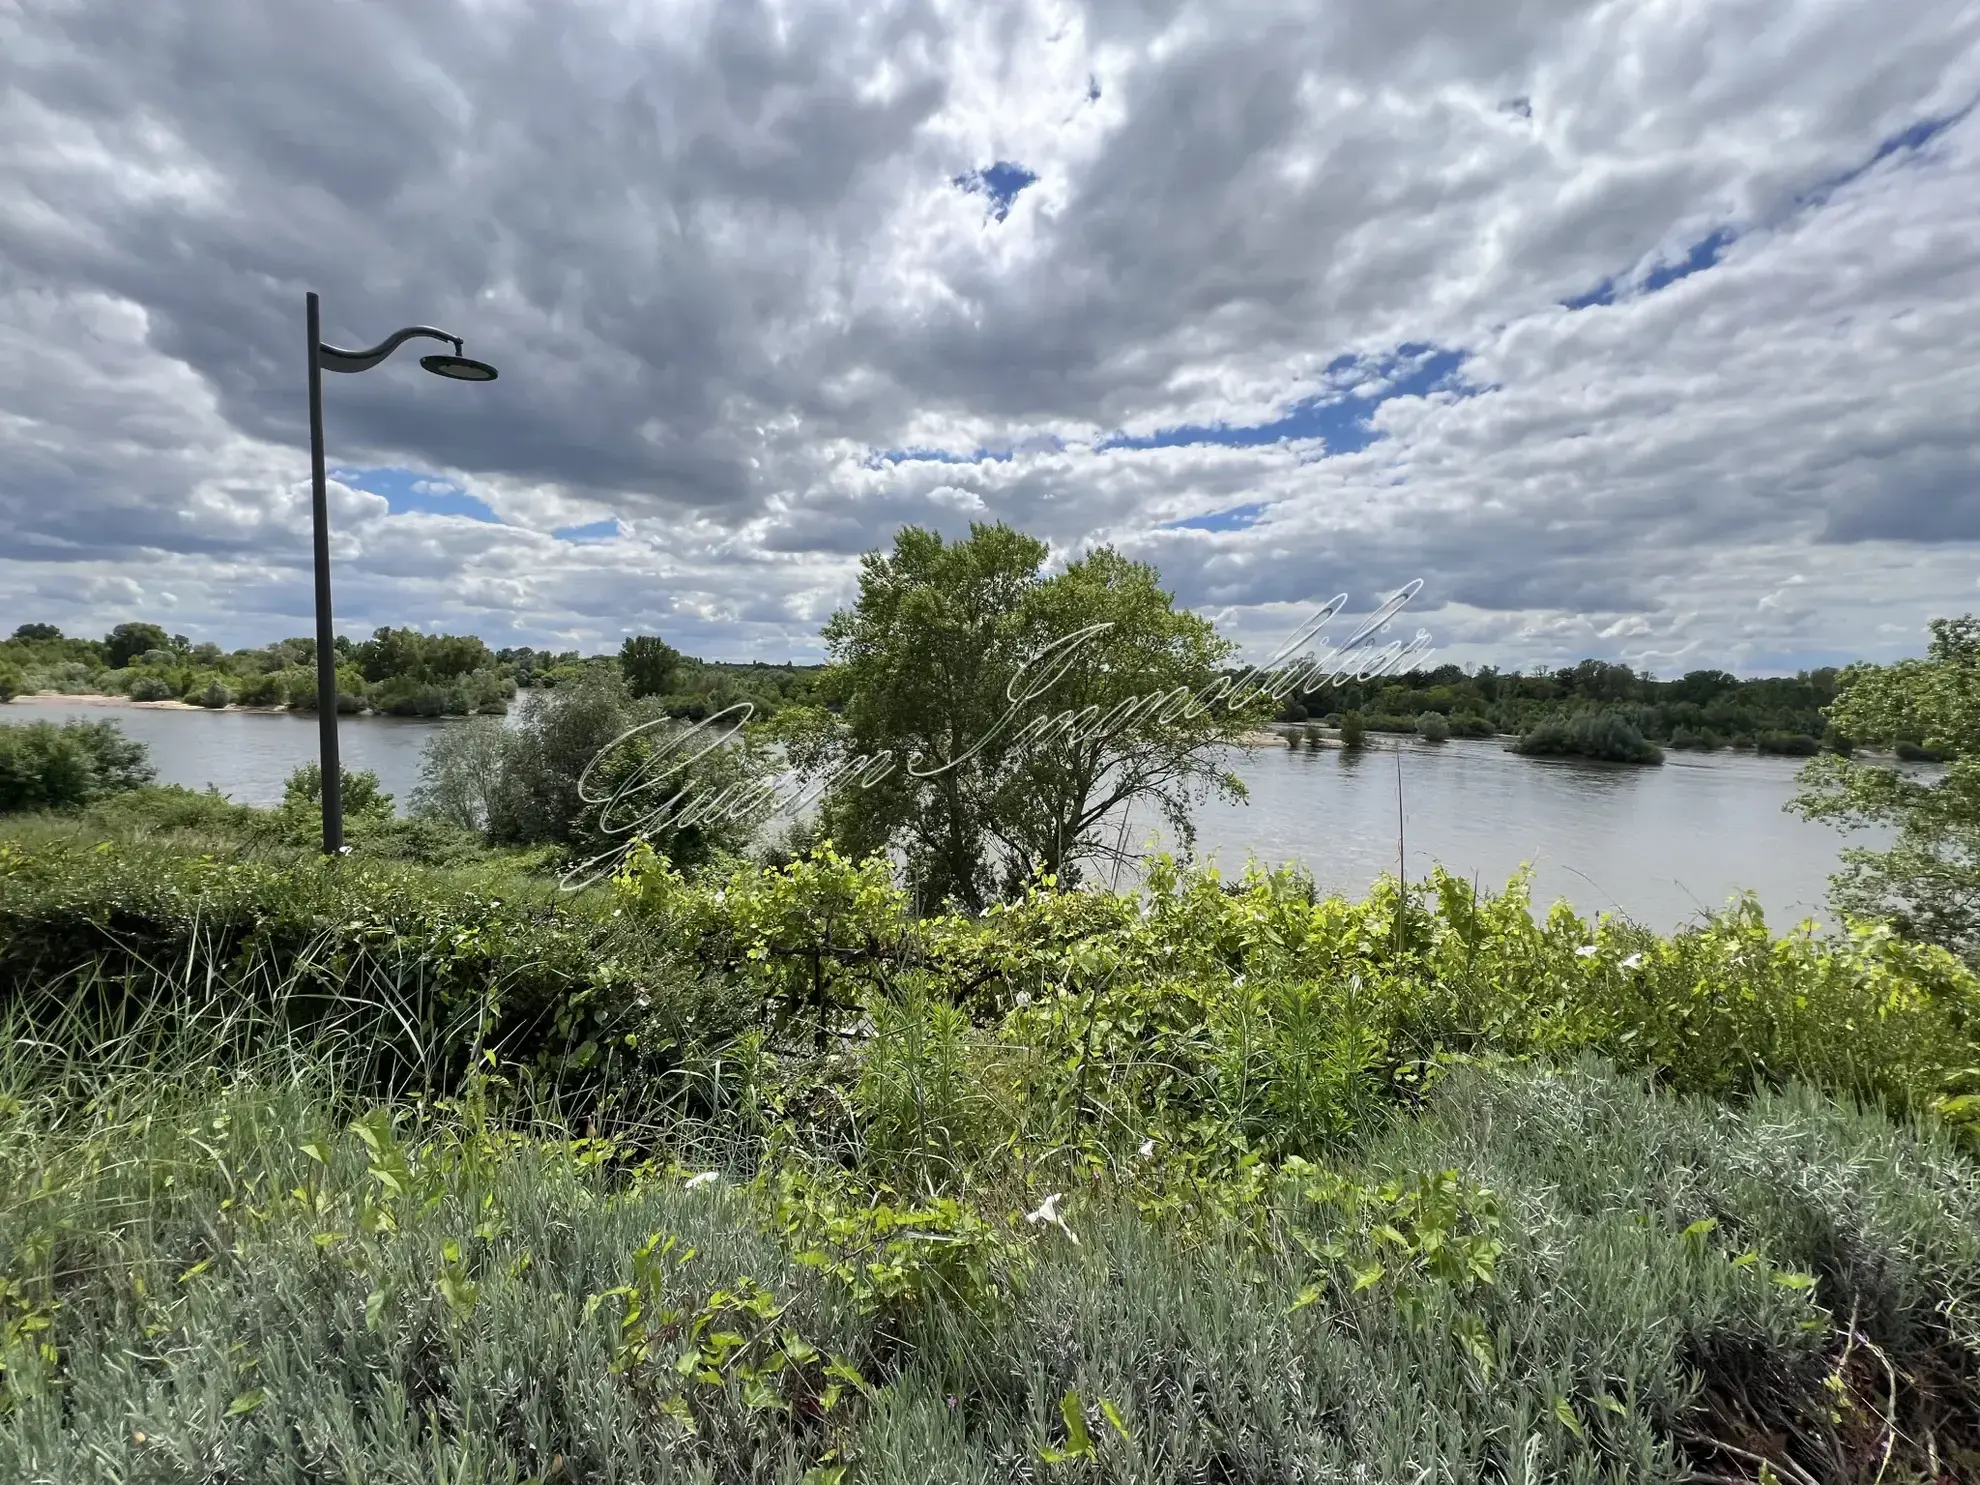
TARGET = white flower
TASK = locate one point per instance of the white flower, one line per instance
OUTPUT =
(1048, 1211)
(1632, 961)
(1237, 982)
(1588, 951)
(1023, 998)
(1148, 1148)
(706, 1178)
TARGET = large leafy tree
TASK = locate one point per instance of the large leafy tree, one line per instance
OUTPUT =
(1927, 882)
(126, 642)
(648, 664)
(1017, 717)
(923, 661)
(1119, 723)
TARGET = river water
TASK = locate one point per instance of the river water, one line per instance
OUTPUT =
(1658, 844)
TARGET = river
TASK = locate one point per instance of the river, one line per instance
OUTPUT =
(1659, 844)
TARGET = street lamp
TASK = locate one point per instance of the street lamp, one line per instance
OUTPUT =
(328, 358)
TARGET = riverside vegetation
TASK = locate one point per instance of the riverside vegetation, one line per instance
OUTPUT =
(758, 1163)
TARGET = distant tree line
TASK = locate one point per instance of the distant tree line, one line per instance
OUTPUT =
(1594, 707)
(396, 672)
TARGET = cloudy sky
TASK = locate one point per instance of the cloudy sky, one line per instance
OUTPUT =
(1641, 330)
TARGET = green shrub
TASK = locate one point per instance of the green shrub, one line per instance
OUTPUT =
(1604, 735)
(12, 680)
(213, 695)
(1788, 744)
(67, 678)
(1353, 733)
(1911, 752)
(1433, 727)
(266, 689)
(150, 688)
(51, 766)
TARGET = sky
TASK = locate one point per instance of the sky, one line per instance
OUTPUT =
(1645, 331)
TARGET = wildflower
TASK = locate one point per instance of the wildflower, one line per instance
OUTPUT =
(706, 1178)
(1148, 1148)
(1587, 951)
(952, 1404)
(1023, 998)
(1632, 961)
(1048, 1212)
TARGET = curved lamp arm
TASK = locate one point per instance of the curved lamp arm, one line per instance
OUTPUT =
(332, 359)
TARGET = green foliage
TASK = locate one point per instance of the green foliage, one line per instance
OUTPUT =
(126, 642)
(1433, 727)
(302, 793)
(644, 776)
(648, 664)
(51, 766)
(1926, 883)
(1354, 733)
(997, 721)
(12, 680)
(1604, 735)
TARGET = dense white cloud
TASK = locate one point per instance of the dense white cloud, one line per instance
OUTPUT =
(747, 273)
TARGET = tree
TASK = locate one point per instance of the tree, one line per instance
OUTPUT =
(594, 725)
(1927, 883)
(45, 765)
(459, 772)
(128, 641)
(1012, 717)
(648, 664)
(30, 633)
(1118, 725)
(1433, 727)
(924, 659)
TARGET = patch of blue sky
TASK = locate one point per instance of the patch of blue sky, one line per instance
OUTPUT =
(410, 490)
(1708, 251)
(936, 456)
(605, 530)
(1343, 420)
(1237, 518)
(1001, 183)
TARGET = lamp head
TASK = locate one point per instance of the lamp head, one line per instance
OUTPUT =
(459, 368)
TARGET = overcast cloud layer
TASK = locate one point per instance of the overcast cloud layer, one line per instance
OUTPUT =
(1280, 303)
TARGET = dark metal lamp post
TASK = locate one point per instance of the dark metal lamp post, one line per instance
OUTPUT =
(328, 358)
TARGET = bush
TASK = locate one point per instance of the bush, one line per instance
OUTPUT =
(302, 794)
(261, 690)
(1911, 752)
(1353, 733)
(536, 799)
(213, 695)
(1603, 735)
(54, 766)
(1432, 727)
(149, 688)
(67, 678)
(12, 681)
(1788, 744)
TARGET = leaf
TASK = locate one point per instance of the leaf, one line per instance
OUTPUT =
(1795, 1281)
(374, 1308)
(1698, 1229)
(315, 1152)
(1564, 1411)
(1113, 1416)
(1309, 1295)
(246, 1403)
(1078, 1441)
(1363, 1277)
